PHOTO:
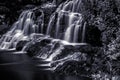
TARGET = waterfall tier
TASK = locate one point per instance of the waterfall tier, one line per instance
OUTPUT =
(21, 29)
(67, 23)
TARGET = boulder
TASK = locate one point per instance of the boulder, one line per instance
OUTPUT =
(20, 45)
(34, 48)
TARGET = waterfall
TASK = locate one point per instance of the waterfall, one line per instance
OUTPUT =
(40, 23)
(52, 18)
(68, 34)
(83, 33)
(69, 18)
(73, 19)
(76, 31)
(20, 30)
(54, 54)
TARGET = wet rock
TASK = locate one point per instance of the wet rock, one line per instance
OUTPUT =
(74, 68)
(93, 36)
(64, 51)
(20, 45)
(47, 13)
(34, 48)
(78, 63)
(48, 50)
(71, 50)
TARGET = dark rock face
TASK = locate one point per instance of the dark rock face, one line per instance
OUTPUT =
(73, 68)
(72, 61)
(93, 36)
(20, 45)
(34, 48)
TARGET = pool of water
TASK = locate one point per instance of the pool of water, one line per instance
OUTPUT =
(17, 66)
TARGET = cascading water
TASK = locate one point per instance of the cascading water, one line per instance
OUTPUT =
(20, 30)
(69, 26)
(66, 25)
(71, 34)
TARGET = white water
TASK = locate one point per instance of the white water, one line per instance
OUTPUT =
(83, 33)
(58, 51)
(68, 34)
(69, 12)
(76, 31)
(50, 24)
(73, 28)
(57, 26)
(20, 30)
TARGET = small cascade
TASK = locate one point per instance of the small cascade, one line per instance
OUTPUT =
(50, 24)
(20, 30)
(54, 54)
(83, 32)
(10, 40)
(33, 37)
(60, 62)
(68, 34)
(67, 23)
